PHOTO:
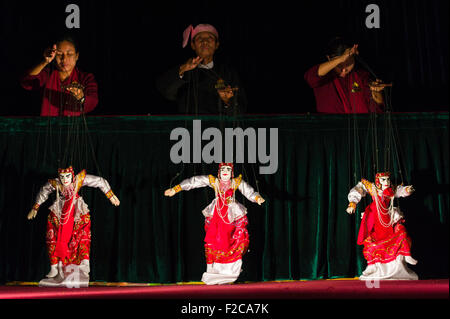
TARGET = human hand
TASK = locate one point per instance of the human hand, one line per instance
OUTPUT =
(349, 52)
(169, 192)
(76, 90)
(190, 64)
(114, 200)
(378, 85)
(50, 53)
(32, 214)
(226, 94)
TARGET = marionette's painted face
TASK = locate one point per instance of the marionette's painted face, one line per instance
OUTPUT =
(385, 182)
(225, 173)
(65, 178)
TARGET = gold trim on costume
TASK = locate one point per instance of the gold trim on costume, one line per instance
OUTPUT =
(369, 186)
(352, 205)
(109, 194)
(54, 182)
(80, 179)
(36, 206)
(237, 181)
(177, 188)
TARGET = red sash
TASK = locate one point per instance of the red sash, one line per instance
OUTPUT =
(65, 228)
(220, 229)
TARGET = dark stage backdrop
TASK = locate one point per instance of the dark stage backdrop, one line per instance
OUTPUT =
(126, 45)
(301, 232)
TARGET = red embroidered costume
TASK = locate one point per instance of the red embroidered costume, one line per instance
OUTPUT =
(69, 225)
(387, 245)
(226, 239)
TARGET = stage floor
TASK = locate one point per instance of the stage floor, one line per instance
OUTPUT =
(312, 289)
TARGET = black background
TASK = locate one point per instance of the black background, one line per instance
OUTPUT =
(127, 44)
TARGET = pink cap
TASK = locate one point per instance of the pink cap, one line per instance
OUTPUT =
(191, 31)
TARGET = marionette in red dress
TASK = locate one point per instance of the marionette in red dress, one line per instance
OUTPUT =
(387, 246)
(226, 239)
(69, 227)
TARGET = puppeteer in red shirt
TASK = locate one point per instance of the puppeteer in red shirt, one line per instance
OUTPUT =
(335, 94)
(57, 101)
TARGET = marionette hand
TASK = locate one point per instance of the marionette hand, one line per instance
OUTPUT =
(409, 190)
(32, 214)
(260, 200)
(351, 208)
(190, 64)
(169, 192)
(76, 91)
(49, 54)
(114, 200)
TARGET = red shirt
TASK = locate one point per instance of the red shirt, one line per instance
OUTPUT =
(334, 94)
(55, 100)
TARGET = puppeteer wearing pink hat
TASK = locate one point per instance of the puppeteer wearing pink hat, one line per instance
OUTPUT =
(203, 85)
(192, 32)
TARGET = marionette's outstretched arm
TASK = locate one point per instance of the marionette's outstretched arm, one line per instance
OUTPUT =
(188, 184)
(250, 193)
(100, 182)
(404, 191)
(41, 197)
(357, 193)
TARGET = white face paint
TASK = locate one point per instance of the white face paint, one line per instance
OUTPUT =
(225, 173)
(385, 182)
(65, 178)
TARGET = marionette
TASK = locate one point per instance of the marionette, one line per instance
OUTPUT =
(226, 239)
(387, 246)
(69, 227)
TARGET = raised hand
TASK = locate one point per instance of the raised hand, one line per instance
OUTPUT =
(349, 52)
(190, 65)
(50, 53)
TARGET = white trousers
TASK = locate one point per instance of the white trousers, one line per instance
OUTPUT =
(394, 270)
(69, 276)
(219, 274)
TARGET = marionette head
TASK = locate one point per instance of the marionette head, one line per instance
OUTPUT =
(383, 180)
(66, 175)
(225, 171)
